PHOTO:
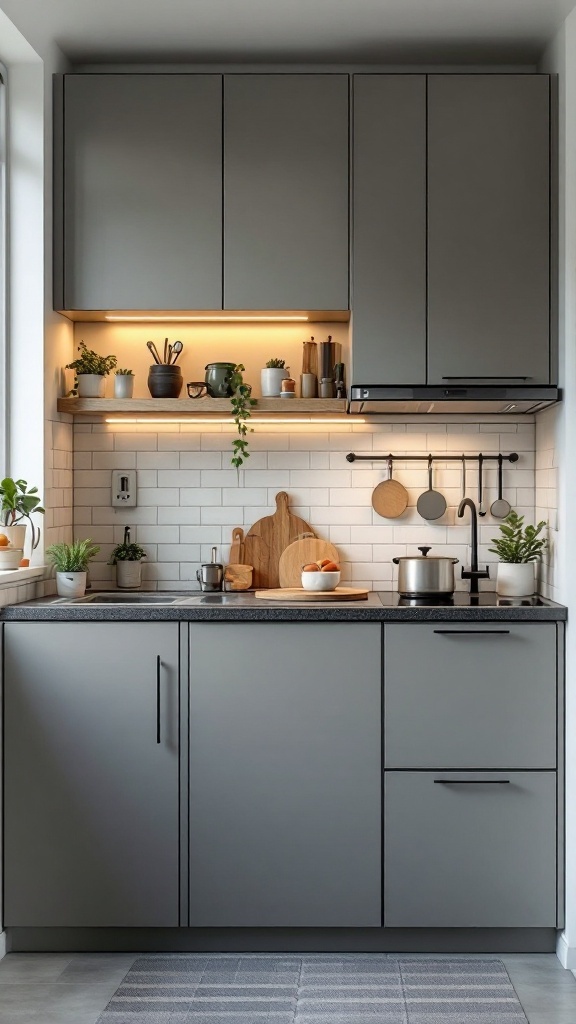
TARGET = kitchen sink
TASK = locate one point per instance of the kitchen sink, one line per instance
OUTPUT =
(112, 599)
(217, 599)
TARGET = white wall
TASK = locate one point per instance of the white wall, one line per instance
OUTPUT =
(556, 440)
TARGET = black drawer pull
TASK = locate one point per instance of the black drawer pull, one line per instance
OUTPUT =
(158, 704)
(471, 782)
(472, 632)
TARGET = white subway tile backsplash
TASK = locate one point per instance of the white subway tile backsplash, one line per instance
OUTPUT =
(179, 478)
(180, 515)
(157, 460)
(179, 442)
(200, 496)
(200, 460)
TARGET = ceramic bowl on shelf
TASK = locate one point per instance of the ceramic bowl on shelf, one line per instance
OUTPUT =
(320, 580)
(10, 558)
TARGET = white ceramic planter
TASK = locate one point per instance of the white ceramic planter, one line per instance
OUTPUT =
(91, 385)
(128, 574)
(515, 579)
(123, 385)
(271, 378)
(71, 584)
(16, 535)
(10, 558)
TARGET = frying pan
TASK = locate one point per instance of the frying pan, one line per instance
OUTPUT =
(500, 508)
(389, 498)
(431, 504)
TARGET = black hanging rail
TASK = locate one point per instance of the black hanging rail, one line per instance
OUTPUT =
(352, 457)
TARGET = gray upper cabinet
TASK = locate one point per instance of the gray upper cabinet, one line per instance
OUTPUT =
(286, 191)
(142, 192)
(389, 230)
(91, 796)
(488, 228)
(285, 775)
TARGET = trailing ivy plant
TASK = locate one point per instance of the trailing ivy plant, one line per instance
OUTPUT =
(242, 405)
(518, 543)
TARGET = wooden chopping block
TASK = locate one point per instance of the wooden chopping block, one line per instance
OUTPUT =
(298, 594)
(301, 552)
(268, 538)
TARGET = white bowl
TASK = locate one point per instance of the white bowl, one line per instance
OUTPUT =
(10, 558)
(320, 580)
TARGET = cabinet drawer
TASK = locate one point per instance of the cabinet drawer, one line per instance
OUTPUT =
(460, 695)
(470, 850)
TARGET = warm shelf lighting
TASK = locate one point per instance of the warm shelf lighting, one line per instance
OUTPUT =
(217, 319)
(228, 419)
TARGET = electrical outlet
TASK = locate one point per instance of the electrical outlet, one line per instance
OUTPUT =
(123, 488)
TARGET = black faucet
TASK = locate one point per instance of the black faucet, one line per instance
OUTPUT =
(473, 573)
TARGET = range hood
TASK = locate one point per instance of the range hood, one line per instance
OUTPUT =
(430, 398)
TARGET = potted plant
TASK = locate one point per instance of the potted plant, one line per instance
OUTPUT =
(272, 376)
(127, 557)
(91, 371)
(71, 564)
(17, 503)
(518, 548)
(123, 384)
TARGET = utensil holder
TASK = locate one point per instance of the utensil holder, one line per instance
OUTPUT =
(165, 381)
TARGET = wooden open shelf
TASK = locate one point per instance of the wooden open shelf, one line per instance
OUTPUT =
(198, 407)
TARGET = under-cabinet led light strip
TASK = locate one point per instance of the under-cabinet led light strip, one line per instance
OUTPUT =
(228, 419)
(216, 319)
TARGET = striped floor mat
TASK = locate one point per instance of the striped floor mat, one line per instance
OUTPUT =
(368, 988)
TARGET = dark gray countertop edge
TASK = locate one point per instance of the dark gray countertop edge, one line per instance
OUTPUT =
(46, 613)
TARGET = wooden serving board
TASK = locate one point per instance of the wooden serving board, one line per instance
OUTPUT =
(298, 594)
(267, 539)
(302, 551)
(237, 546)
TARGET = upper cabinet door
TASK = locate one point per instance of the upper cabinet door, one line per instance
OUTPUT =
(389, 230)
(143, 191)
(488, 228)
(286, 191)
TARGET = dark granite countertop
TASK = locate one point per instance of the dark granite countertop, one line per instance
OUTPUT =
(379, 607)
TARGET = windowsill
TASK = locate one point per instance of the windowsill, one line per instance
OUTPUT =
(12, 577)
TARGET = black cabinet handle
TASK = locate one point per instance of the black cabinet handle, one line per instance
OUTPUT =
(158, 698)
(472, 632)
(487, 378)
(471, 782)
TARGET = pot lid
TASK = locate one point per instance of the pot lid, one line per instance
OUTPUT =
(424, 557)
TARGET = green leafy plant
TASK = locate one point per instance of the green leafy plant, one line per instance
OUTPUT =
(124, 373)
(90, 362)
(127, 552)
(72, 557)
(17, 502)
(242, 405)
(276, 364)
(518, 543)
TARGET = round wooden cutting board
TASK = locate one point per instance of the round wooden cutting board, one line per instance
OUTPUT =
(301, 552)
(298, 594)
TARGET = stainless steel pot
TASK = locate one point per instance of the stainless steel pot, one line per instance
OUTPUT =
(419, 576)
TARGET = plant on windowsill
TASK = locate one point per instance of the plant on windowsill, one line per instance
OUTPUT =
(17, 503)
(91, 371)
(271, 378)
(518, 548)
(127, 557)
(71, 564)
(123, 384)
(242, 405)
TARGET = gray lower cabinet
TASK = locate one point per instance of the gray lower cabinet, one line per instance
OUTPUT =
(470, 695)
(285, 774)
(389, 229)
(470, 850)
(488, 228)
(142, 192)
(91, 774)
(286, 191)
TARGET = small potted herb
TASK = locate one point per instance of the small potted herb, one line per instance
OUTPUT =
(518, 548)
(127, 557)
(271, 378)
(71, 564)
(91, 371)
(18, 503)
(123, 384)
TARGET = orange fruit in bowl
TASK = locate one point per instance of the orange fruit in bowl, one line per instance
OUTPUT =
(4, 542)
(330, 567)
(311, 567)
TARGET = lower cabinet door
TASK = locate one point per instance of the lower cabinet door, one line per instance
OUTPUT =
(91, 774)
(285, 774)
(470, 849)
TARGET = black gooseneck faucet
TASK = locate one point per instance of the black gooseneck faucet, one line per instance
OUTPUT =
(473, 573)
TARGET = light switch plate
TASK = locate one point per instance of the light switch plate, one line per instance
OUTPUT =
(124, 488)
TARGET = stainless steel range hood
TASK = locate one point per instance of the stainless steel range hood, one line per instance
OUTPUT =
(437, 399)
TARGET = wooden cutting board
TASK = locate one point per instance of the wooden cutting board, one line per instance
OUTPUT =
(298, 594)
(267, 539)
(302, 551)
(237, 546)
